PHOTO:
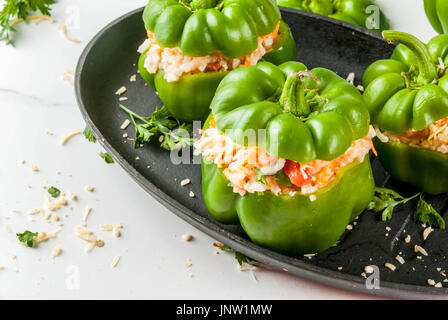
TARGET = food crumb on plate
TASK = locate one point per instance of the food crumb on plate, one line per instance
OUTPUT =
(185, 182)
(125, 124)
(419, 249)
(390, 266)
(400, 259)
(121, 91)
(89, 188)
(192, 195)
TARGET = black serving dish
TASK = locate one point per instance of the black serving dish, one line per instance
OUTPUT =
(110, 59)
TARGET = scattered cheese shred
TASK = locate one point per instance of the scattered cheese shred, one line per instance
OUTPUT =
(87, 211)
(63, 31)
(419, 249)
(56, 252)
(125, 124)
(120, 91)
(43, 236)
(115, 261)
(68, 136)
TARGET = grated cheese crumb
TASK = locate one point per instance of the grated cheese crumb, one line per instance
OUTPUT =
(125, 124)
(192, 195)
(115, 261)
(87, 211)
(43, 236)
(121, 91)
(185, 182)
(90, 188)
(419, 249)
(438, 285)
(400, 259)
(34, 168)
(349, 227)
(56, 252)
(187, 237)
(407, 239)
(368, 269)
(427, 232)
(63, 32)
(390, 266)
(133, 78)
(431, 282)
(72, 195)
(68, 136)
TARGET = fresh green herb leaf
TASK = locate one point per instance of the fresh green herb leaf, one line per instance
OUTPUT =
(19, 9)
(88, 134)
(260, 176)
(426, 214)
(27, 237)
(107, 157)
(160, 122)
(385, 201)
(282, 178)
(54, 192)
(241, 258)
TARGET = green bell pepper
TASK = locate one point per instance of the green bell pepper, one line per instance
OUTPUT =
(437, 13)
(201, 27)
(410, 91)
(357, 12)
(307, 116)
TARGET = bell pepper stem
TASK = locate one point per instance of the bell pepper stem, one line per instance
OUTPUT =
(293, 95)
(427, 70)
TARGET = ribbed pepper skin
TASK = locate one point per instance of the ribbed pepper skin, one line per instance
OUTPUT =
(425, 169)
(291, 224)
(242, 102)
(410, 91)
(357, 12)
(437, 13)
(232, 28)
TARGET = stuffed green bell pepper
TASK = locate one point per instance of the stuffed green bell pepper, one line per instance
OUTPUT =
(363, 13)
(407, 97)
(192, 44)
(285, 153)
(437, 13)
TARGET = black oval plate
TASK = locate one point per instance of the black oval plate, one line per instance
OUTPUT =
(110, 59)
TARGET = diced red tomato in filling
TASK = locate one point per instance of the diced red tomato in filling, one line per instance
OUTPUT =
(299, 177)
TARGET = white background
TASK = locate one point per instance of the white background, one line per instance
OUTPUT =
(33, 101)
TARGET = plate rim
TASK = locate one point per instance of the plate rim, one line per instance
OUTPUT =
(276, 260)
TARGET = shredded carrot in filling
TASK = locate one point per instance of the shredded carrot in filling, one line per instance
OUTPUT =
(243, 166)
(175, 64)
(434, 138)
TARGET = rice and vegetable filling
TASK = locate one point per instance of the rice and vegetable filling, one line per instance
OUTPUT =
(252, 169)
(175, 64)
(434, 137)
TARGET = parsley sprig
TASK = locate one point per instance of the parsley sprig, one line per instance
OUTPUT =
(27, 237)
(88, 134)
(19, 9)
(107, 157)
(385, 201)
(241, 258)
(54, 192)
(160, 122)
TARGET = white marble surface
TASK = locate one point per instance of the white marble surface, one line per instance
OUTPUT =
(34, 101)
